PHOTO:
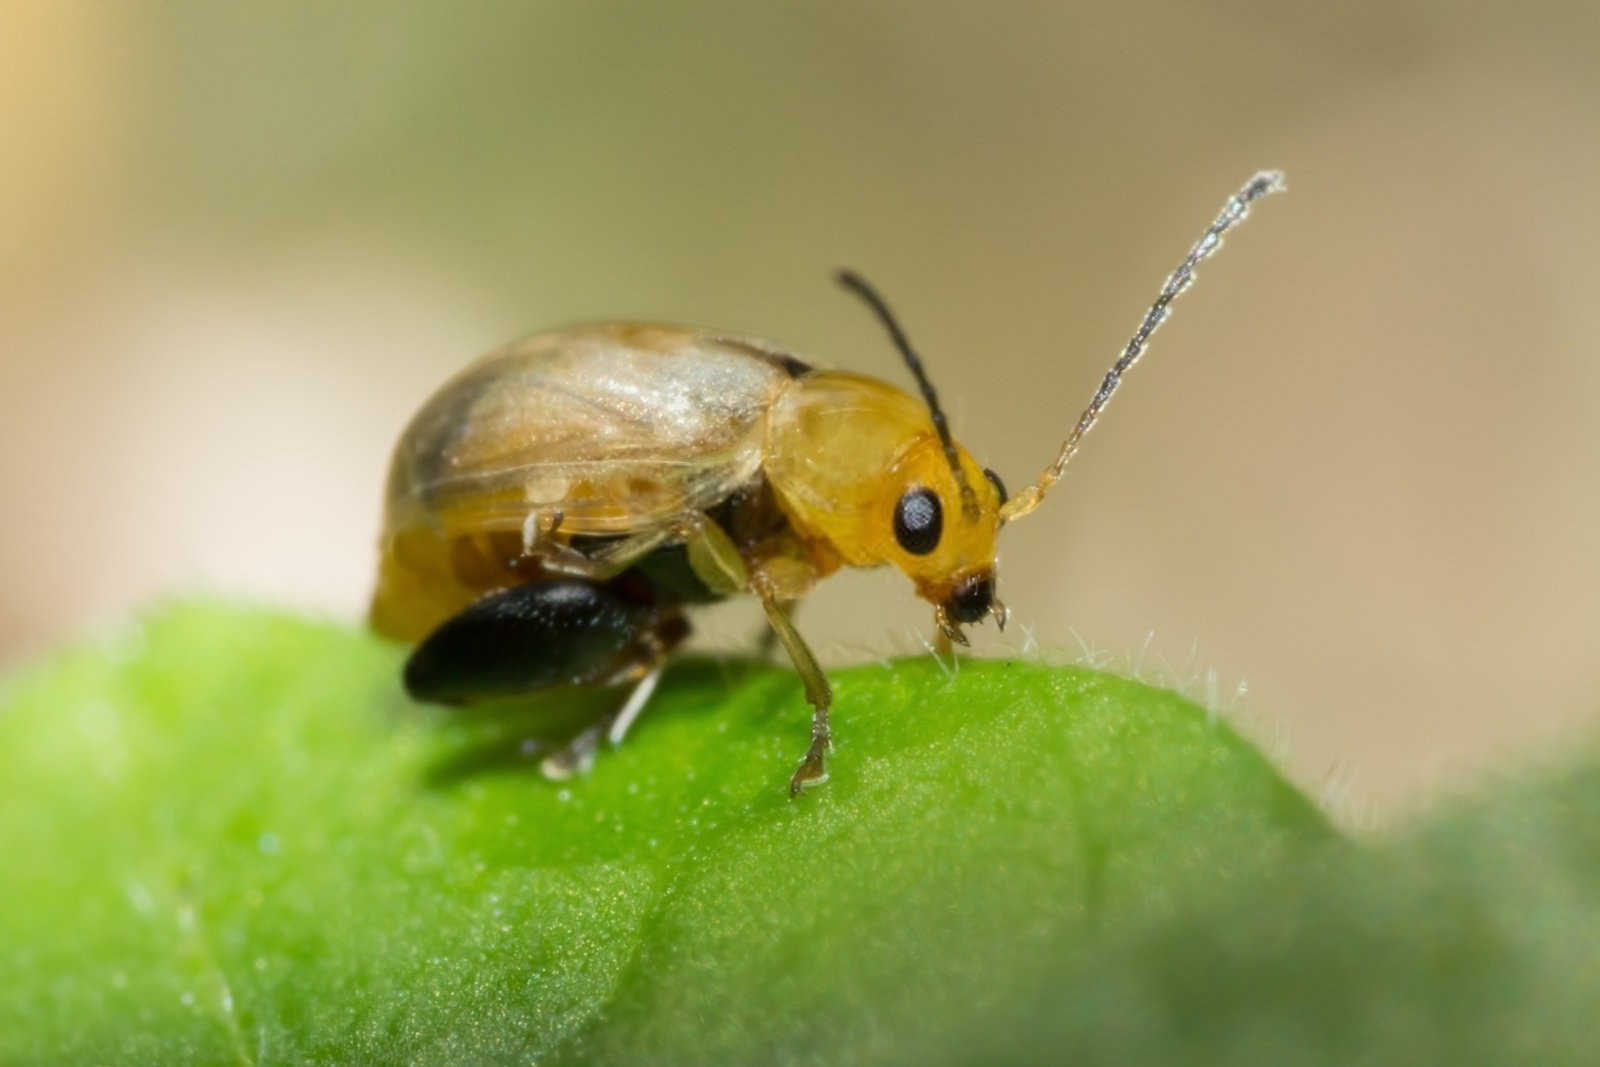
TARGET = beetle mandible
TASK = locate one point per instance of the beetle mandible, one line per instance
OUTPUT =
(553, 509)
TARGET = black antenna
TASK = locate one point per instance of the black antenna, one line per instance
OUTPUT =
(859, 285)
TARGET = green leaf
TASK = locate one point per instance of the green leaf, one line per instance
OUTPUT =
(230, 838)
(1474, 939)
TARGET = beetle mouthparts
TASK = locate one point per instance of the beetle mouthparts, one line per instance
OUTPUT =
(972, 599)
(948, 626)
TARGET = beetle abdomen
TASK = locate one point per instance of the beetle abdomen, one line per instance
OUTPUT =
(558, 631)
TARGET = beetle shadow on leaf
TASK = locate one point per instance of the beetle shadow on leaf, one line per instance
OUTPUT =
(514, 736)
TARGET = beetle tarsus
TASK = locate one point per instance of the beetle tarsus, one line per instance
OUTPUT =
(577, 756)
(813, 769)
(538, 527)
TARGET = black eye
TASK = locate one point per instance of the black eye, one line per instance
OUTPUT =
(918, 521)
(994, 480)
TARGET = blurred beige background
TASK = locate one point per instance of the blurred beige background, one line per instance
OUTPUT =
(1358, 471)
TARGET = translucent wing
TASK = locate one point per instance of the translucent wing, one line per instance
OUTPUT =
(617, 426)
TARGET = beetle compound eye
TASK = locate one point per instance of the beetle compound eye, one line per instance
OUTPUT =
(918, 521)
(999, 486)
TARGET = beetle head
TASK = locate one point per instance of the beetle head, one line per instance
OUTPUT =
(942, 527)
(948, 552)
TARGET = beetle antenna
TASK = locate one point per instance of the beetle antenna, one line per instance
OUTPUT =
(1233, 212)
(860, 286)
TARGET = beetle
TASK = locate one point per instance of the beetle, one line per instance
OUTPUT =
(552, 511)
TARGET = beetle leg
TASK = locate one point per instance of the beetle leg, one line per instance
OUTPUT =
(613, 559)
(538, 528)
(631, 707)
(576, 756)
(713, 556)
(819, 693)
(604, 563)
(767, 639)
(556, 557)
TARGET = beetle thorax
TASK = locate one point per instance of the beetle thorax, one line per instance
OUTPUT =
(857, 463)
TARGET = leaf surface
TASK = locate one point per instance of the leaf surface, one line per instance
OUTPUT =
(232, 839)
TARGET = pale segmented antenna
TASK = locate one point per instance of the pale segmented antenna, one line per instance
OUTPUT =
(1233, 213)
(858, 285)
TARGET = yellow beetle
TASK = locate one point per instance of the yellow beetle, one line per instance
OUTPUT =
(553, 509)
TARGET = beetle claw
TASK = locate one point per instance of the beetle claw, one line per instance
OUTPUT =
(812, 770)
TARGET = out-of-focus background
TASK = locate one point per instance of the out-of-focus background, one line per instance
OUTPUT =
(1358, 472)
